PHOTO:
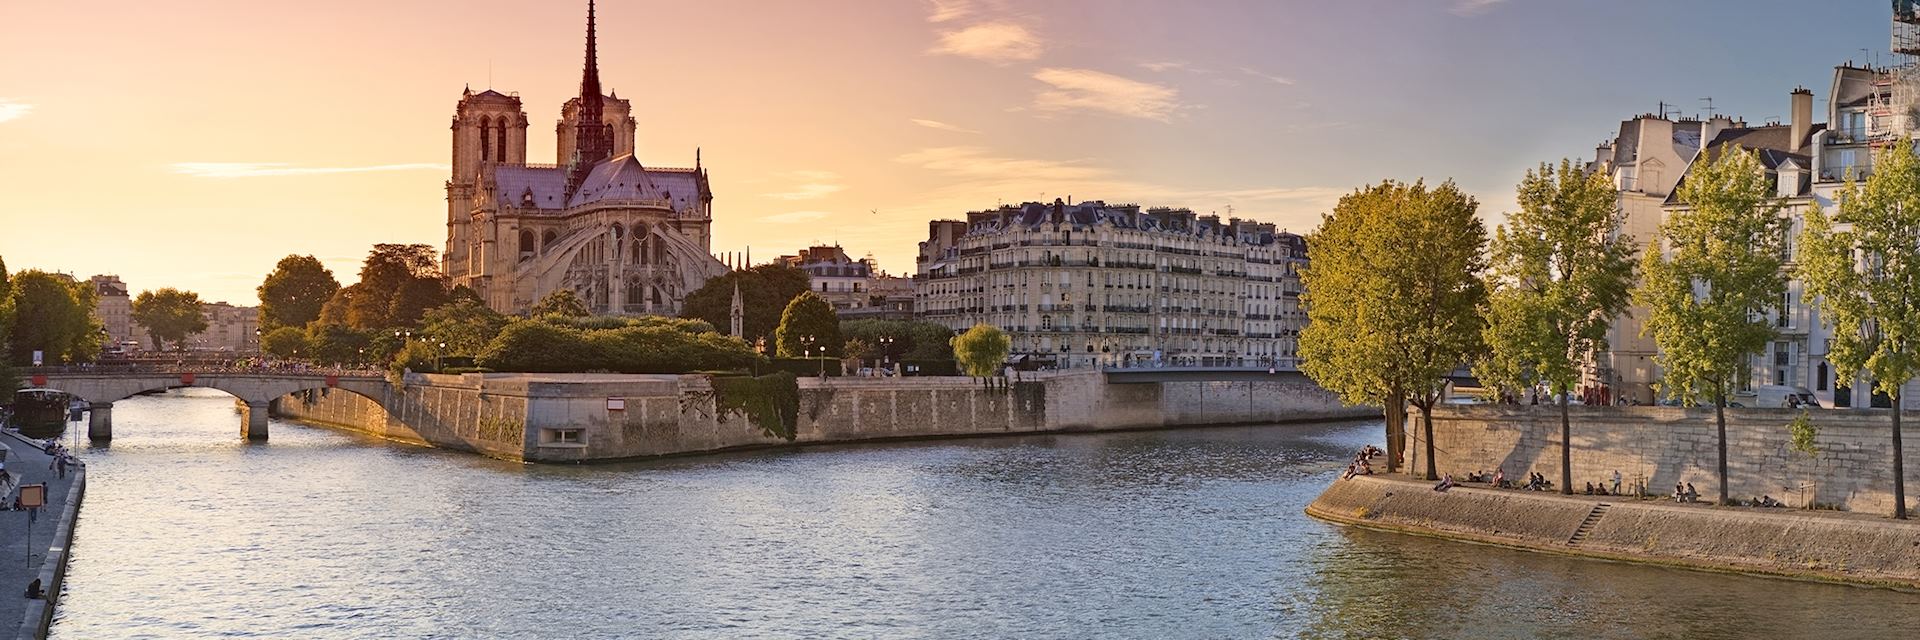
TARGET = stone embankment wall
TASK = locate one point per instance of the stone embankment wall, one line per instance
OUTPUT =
(564, 418)
(1820, 545)
(1658, 446)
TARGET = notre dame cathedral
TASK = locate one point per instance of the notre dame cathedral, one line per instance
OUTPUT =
(627, 239)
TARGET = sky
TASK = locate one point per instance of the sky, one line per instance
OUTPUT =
(193, 143)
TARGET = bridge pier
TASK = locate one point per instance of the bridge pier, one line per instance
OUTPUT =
(253, 421)
(99, 421)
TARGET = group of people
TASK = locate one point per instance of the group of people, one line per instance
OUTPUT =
(1363, 462)
(1683, 492)
(62, 458)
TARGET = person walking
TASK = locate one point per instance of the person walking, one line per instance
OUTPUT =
(1616, 482)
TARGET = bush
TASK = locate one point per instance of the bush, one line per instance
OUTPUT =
(771, 402)
(417, 357)
(807, 367)
(595, 323)
(539, 346)
(981, 350)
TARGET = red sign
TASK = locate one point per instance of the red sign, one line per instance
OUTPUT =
(333, 381)
(39, 381)
(186, 378)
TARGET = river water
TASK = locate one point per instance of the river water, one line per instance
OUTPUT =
(188, 532)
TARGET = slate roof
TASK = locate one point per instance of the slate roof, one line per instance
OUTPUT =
(1771, 141)
(547, 184)
(623, 178)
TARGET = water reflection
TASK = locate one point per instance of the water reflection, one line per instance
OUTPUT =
(188, 532)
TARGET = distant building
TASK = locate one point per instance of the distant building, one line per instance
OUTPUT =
(856, 288)
(229, 329)
(1118, 285)
(114, 308)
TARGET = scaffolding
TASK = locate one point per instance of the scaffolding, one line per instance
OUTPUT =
(1896, 90)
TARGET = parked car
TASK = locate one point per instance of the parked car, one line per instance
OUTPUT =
(1784, 396)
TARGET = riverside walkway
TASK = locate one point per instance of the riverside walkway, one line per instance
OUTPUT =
(21, 562)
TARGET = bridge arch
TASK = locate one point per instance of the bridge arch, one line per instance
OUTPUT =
(257, 390)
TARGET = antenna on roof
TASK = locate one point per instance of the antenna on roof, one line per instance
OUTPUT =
(489, 74)
(1709, 101)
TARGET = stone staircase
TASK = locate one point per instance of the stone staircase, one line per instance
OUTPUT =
(1586, 526)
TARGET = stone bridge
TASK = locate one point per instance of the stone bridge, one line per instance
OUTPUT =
(101, 388)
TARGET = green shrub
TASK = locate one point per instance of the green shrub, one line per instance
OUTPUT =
(771, 402)
(648, 346)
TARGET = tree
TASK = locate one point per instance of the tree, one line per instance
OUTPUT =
(293, 294)
(335, 344)
(54, 315)
(463, 292)
(1707, 293)
(465, 325)
(1561, 271)
(398, 282)
(809, 326)
(335, 310)
(765, 291)
(903, 339)
(1865, 279)
(982, 350)
(170, 315)
(562, 302)
(1392, 299)
(860, 351)
(284, 342)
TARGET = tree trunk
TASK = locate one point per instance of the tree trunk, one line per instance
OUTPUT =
(1899, 464)
(1396, 415)
(1720, 424)
(1566, 447)
(1426, 419)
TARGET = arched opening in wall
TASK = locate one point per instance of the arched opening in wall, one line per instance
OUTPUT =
(526, 245)
(500, 139)
(656, 295)
(659, 250)
(636, 294)
(546, 240)
(640, 246)
(615, 237)
(486, 151)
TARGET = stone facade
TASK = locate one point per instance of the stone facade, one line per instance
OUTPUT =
(855, 288)
(1655, 447)
(1118, 285)
(114, 307)
(625, 238)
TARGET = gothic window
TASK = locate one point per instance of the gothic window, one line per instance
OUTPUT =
(656, 295)
(484, 147)
(526, 244)
(546, 240)
(500, 139)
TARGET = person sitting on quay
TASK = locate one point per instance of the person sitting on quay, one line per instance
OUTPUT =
(1445, 484)
(1600, 489)
(1352, 470)
(1589, 490)
(1499, 478)
(1692, 496)
(1679, 492)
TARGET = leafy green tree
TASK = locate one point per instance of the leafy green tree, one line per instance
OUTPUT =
(562, 302)
(860, 352)
(463, 292)
(398, 283)
(903, 339)
(1707, 293)
(809, 321)
(294, 293)
(53, 314)
(982, 350)
(335, 310)
(1864, 275)
(538, 345)
(416, 356)
(1561, 271)
(465, 325)
(765, 291)
(284, 342)
(169, 315)
(334, 344)
(1392, 299)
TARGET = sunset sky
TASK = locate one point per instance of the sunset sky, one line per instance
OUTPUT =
(192, 143)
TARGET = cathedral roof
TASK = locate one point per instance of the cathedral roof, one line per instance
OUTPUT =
(623, 178)
(547, 184)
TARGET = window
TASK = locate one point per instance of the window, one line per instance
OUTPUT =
(485, 148)
(500, 139)
(526, 244)
(564, 437)
(1780, 376)
(1820, 381)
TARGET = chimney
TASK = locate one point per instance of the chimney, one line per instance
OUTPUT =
(1802, 119)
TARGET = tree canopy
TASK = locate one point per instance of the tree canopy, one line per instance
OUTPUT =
(537, 345)
(808, 327)
(52, 314)
(1392, 298)
(909, 339)
(562, 302)
(765, 291)
(465, 325)
(1861, 267)
(170, 315)
(398, 283)
(982, 350)
(1707, 293)
(285, 342)
(1561, 271)
(294, 292)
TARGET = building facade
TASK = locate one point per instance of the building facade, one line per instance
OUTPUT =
(230, 329)
(625, 238)
(857, 288)
(1117, 285)
(114, 307)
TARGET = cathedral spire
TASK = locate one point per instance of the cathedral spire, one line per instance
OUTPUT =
(592, 138)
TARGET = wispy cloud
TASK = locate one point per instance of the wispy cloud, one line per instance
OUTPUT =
(794, 216)
(1471, 7)
(265, 169)
(936, 124)
(1086, 89)
(1266, 76)
(813, 185)
(10, 109)
(978, 163)
(944, 10)
(996, 42)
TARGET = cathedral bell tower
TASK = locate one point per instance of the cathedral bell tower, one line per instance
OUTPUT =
(488, 128)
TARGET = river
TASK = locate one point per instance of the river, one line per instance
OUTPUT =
(189, 532)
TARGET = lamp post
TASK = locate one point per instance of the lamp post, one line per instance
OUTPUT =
(259, 348)
(436, 356)
(808, 340)
(886, 351)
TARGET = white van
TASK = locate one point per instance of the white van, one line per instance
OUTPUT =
(1783, 396)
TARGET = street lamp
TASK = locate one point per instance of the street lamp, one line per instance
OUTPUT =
(808, 349)
(436, 356)
(886, 351)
